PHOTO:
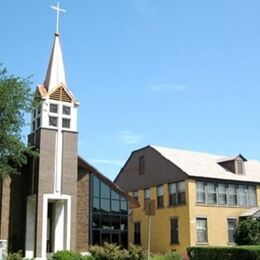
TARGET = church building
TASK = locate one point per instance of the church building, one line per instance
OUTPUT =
(59, 201)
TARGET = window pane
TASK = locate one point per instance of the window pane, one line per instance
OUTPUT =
(123, 207)
(212, 193)
(53, 121)
(160, 190)
(202, 230)
(105, 237)
(232, 223)
(95, 204)
(115, 195)
(124, 222)
(105, 221)
(147, 193)
(174, 231)
(172, 188)
(53, 108)
(172, 199)
(200, 192)
(96, 221)
(105, 191)
(115, 222)
(135, 195)
(137, 233)
(105, 205)
(181, 186)
(242, 195)
(96, 186)
(232, 195)
(124, 239)
(96, 237)
(251, 196)
(222, 194)
(65, 123)
(66, 110)
(115, 206)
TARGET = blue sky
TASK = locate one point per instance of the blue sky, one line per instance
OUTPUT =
(177, 73)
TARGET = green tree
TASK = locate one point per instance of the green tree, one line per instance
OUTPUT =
(248, 232)
(15, 100)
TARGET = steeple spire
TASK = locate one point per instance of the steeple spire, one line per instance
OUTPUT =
(56, 72)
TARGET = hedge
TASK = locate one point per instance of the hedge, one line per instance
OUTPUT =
(227, 253)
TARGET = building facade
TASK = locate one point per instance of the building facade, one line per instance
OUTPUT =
(59, 201)
(199, 197)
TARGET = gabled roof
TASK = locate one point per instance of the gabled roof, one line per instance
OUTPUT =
(85, 165)
(198, 164)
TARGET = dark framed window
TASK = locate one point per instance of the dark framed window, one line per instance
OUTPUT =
(137, 233)
(66, 110)
(212, 193)
(232, 225)
(141, 165)
(53, 121)
(160, 203)
(65, 122)
(146, 197)
(38, 122)
(222, 194)
(109, 210)
(202, 230)
(174, 231)
(176, 193)
(54, 108)
(232, 195)
(201, 192)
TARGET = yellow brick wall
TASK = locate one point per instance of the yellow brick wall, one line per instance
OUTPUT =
(160, 223)
(160, 236)
(216, 218)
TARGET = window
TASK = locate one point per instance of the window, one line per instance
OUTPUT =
(242, 195)
(66, 110)
(202, 236)
(251, 196)
(137, 233)
(38, 122)
(172, 194)
(176, 193)
(65, 123)
(53, 108)
(240, 167)
(232, 195)
(232, 225)
(181, 192)
(222, 194)
(109, 214)
(212, 193)
(141, 165)
(174, 231)
(200, 192)
(53, 121)
(135, 195)
(146, 197)
(160, 196)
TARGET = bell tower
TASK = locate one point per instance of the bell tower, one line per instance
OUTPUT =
(52, 180)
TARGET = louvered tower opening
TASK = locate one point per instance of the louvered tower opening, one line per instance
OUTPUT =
(60, 95)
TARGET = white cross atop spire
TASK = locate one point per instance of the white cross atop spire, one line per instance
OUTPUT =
(58, 9)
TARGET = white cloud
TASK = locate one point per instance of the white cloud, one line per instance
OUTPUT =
(129, 138)
(166, 87)
(105, 161)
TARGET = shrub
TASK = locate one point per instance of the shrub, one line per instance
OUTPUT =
(136, 252)
(69, 255)
(168, 256)
(248, 232)
(109, 251)
(227, 253)
(15, 256)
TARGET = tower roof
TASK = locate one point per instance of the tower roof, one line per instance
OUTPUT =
(56, 72)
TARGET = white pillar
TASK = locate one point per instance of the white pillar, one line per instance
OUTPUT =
(60, 226)
(30, 227)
